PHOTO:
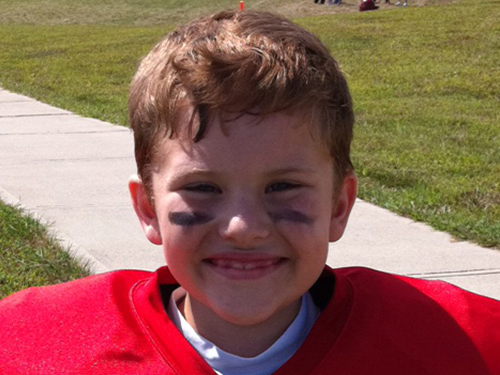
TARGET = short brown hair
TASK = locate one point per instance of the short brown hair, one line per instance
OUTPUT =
(243, 60)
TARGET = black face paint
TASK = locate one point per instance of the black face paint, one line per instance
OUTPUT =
(189, 219)
(292, 216)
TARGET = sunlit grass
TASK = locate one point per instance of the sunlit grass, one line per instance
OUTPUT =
(426, 86)
(29, 256)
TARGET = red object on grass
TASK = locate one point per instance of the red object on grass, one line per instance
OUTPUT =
(367, 5)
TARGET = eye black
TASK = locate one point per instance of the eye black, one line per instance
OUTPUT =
(203, 188)
(281, 186)
(189, 219)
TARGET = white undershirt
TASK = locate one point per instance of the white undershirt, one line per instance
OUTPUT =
(224, 363)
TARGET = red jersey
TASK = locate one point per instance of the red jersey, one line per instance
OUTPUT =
(371, 323)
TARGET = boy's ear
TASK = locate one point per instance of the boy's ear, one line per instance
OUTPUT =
(145, 213)
(342, 210)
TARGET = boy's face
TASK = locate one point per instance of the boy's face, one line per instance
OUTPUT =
(245, 216)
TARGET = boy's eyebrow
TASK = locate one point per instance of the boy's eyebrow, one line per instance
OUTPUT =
(291, 170)
(190, 173)
(185, 173)
(180, 172)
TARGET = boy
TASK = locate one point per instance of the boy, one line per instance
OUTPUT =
(242, 125)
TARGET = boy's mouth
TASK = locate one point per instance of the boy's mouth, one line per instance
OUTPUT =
(244, 268)
(249, 265)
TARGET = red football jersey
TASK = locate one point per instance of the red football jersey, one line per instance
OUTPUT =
(371, 323)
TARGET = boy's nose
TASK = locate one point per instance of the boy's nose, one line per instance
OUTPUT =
(246, 224)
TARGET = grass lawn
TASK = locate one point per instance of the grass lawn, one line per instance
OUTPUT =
(426, 87)
(159, 12)
(425, 82)
(29, 256)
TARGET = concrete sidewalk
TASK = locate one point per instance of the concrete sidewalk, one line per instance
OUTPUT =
(72, 172)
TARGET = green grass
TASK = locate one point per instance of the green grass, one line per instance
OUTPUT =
(107, 12)
(29, 256)
(86, 69)
(151, 12)
(425, 82)
(426, 86)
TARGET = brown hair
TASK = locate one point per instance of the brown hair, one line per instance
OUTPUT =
(239, 61)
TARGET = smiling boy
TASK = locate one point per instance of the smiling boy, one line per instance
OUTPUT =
(242, 193)
(244, 217)
(242, 124)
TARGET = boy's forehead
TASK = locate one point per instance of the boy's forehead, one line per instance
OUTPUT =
(258, 128)
(190, 119)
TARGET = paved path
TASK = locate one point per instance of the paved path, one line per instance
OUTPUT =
(73, 172)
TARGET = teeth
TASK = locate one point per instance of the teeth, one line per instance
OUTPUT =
(225, 263)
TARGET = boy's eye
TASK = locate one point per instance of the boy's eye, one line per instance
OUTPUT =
(203, 188)
(281, 186)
